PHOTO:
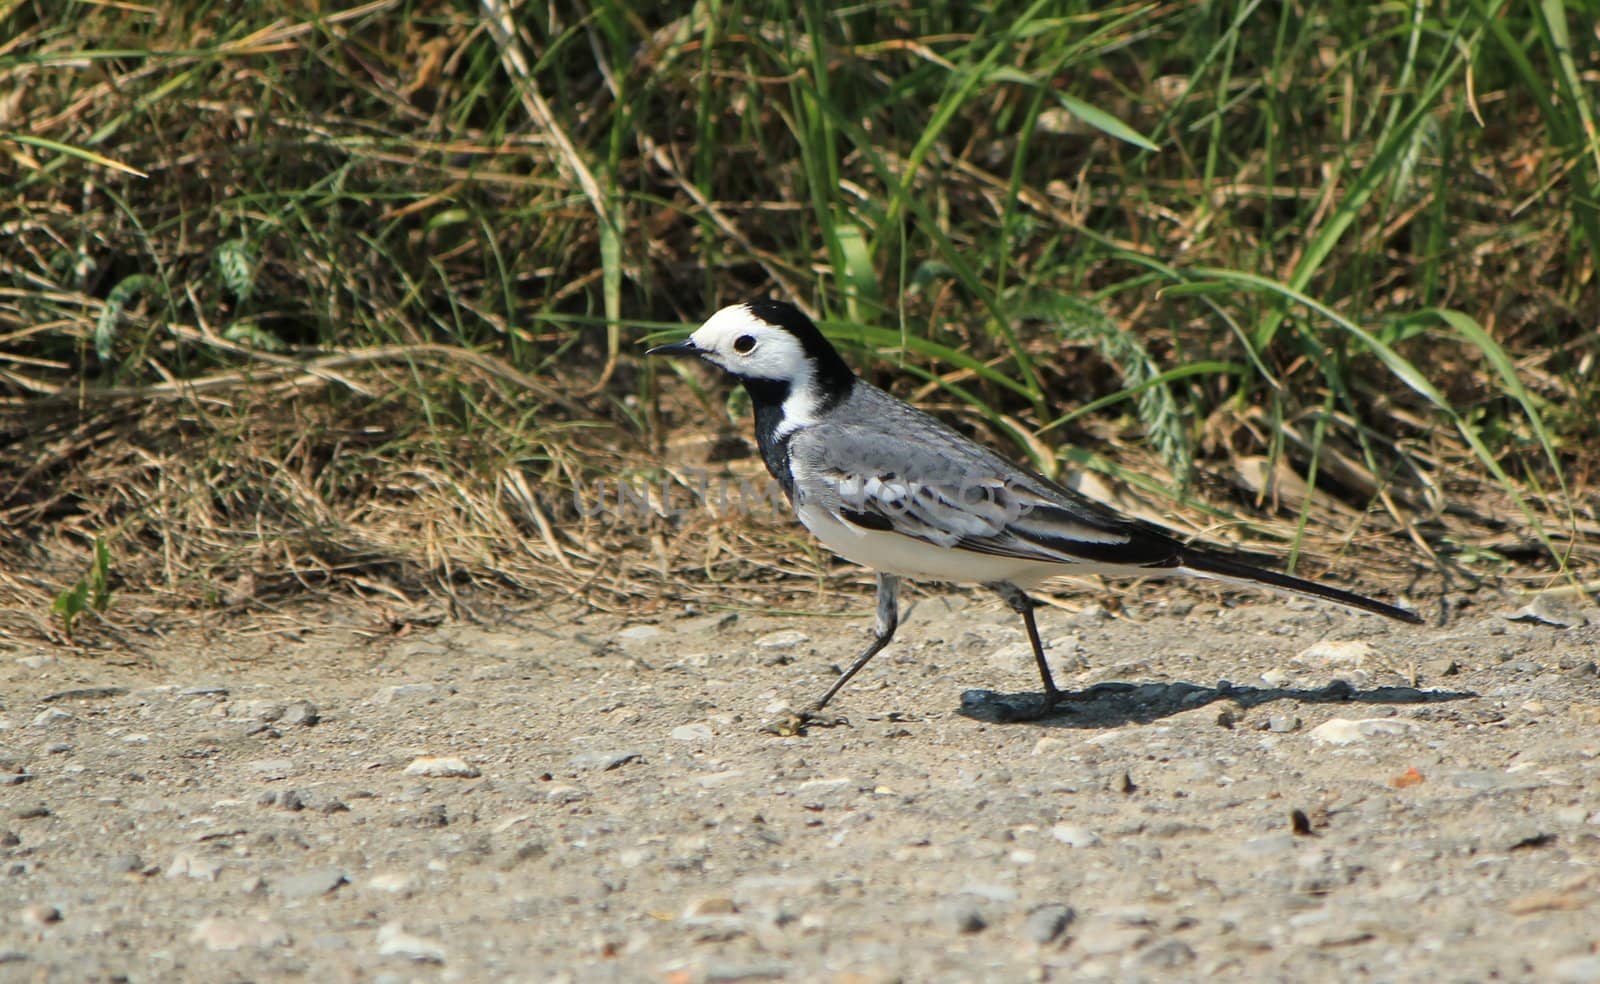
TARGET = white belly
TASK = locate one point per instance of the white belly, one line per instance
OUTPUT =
(910, 557)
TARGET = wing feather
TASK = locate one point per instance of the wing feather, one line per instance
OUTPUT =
(917, 478)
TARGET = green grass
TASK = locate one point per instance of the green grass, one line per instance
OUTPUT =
(1358, 241)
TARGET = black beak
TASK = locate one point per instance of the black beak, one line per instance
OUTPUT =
(685, 347)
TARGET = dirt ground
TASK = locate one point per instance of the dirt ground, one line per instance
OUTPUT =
(560, 798)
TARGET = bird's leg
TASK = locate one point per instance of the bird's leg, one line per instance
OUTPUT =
(882, 633)
(1020, 603)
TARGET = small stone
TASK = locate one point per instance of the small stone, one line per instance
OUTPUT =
(1480, 780)
(406, 693)
(1583, 969)
(51, 717)
(692, 732)
(1343, 731)
(256, 710)
(31, 811)
(187, 864)
(277, 768)
(38, 661)
(291, 800)
(393, 882)
(301, 714)
(310, 884)
(1549, 609)
(442, 767)
(1277, 679)
(1347, 654)
(1283, 724)
(39, 914)
(782, 639)
(965, 916)
(1051, 746)
(1441, 667)
(14, 778)
(604, 761)
(714, 906)
(1168, 955)
(394, 941)
(221, 934)
(1073, 835)
(1045, 923)
(640, 633)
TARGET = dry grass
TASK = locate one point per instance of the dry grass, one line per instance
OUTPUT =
(346, 300)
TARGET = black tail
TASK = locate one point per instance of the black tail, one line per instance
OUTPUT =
(1212, 565)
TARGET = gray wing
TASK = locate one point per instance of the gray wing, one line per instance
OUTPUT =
(902, 471)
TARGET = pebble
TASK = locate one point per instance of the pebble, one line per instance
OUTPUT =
(1167, 955)
(402, 693)
(1283, 724)
(1583, 969)
(782, 639)
(188, 864)
(640, 633)
(51, 717)
(394, 941)
(1480, 780)
(604, 761)
(257, 710)
(301, 713)
(39, 914)
(393, 882)
(1073, 835)
(275, 768)
(1441, 667)
(1277, 679)
(716, 905)
(965, 916)
(1045, 923)
(1548, 609)
(1344, 731)
(1329, 653)
(220, 933)
(692, 732)
(310, 884)
(442, 767)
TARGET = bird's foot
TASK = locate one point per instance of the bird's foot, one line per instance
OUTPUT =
(797, 722)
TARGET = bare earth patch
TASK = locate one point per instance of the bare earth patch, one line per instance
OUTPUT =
(1263, 792)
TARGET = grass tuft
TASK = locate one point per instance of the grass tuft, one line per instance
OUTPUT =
(296, 298)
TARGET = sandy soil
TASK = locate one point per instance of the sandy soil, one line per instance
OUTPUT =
(559, 798)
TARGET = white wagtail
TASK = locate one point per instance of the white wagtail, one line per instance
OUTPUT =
(883, 484)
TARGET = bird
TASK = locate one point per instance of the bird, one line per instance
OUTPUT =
(891, 488)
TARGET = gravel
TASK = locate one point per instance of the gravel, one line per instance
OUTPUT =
(472, 801)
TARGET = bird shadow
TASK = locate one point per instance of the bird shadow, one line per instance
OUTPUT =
(1110, 705)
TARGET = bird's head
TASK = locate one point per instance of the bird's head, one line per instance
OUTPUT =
(766, 342)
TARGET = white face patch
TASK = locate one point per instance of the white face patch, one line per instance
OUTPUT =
(736, 340)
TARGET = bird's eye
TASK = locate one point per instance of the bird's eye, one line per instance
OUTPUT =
(744, 343)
